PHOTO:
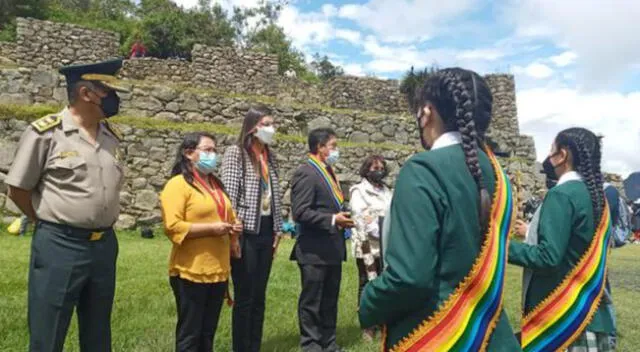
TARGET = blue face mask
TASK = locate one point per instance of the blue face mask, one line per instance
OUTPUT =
(207, 163)
(333, 157)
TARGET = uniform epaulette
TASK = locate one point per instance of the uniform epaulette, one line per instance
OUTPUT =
(46, 123)
(114, 130)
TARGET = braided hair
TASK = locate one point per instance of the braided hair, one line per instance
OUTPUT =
(585, 148)
(463, 100)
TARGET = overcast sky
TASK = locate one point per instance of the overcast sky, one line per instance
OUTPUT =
(576, 62)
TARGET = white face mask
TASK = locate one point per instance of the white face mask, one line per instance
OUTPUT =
(333, 157)
(265, 134)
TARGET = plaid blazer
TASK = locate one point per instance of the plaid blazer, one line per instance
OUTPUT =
(242, 183)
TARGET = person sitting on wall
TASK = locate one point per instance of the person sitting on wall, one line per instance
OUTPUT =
(138, 49)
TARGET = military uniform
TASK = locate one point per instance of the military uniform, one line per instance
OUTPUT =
(75, 188)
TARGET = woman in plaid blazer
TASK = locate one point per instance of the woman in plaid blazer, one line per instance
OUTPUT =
(249, 173)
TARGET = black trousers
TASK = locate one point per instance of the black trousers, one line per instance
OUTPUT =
(250, 277)
(199, 307)
(362, 274)
(69, 271)
(318, 306)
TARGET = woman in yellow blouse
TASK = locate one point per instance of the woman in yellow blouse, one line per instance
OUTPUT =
(199, 220)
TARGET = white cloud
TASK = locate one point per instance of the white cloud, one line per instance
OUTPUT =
(348, 35)
(603, 34)
(226, 4)
(543, 112)
(490, 54)
(399, 58)
(304, 28)
(329, 10)
(349, 11)
(534, 70)
(354, 70)
(565, 59)
(404, 20)
(393, 58)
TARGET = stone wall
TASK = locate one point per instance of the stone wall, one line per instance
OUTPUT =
(233, 70)
(51, 44)
(365, 93)
(150, 152)
(176, 71)
(44, 44)
(175, 103)
(8, 53)
(218, 86)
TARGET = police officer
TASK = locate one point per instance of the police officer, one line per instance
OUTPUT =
(66, 176)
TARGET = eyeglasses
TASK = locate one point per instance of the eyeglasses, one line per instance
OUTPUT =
(207, 150)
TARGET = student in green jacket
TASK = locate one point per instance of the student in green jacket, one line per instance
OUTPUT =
(572, 226)
(439, 220)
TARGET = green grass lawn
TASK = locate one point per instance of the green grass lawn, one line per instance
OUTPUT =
(144, 313)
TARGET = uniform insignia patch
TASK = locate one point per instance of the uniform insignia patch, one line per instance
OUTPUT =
(114, 130)
(68, 154)
(46, 123)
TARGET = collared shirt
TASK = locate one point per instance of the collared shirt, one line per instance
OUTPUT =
(569, 176)
(73, 181)
(447, 139)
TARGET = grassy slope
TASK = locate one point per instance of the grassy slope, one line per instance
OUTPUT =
(144, 312)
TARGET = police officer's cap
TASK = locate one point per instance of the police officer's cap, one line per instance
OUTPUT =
(101, 72)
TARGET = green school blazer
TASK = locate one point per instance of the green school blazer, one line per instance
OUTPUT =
(433, 241)
(565, 231)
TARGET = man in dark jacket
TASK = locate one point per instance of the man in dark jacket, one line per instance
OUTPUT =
(317, 205)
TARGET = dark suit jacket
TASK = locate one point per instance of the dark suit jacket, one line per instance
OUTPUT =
(318, 242)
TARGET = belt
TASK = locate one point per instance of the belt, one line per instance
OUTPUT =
(88, 234)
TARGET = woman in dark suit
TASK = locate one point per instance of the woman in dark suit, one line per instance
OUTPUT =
(251, 179)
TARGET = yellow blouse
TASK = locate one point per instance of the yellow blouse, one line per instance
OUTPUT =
(204, 259)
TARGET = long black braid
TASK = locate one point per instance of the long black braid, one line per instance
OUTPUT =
(585, 149)
(463, 100)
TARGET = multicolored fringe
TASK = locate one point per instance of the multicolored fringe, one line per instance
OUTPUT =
(336, 191)
(560, 319)
(468, 317)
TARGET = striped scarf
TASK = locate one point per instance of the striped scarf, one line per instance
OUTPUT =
(328, 178)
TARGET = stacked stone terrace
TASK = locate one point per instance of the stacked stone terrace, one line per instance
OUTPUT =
(214, 91)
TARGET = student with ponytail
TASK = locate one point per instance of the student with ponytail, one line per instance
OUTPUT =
(569, 261)
(445, 253)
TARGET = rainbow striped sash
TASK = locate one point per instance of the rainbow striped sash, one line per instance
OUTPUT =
(560, 319)
(332, 183)
(468, 317)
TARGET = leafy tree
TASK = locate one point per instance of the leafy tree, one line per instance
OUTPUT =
(272, 40)
(209, 25)
(163, 27)
(10, 9)
(413, 81)
(324, 68)
(168, 30)
(113, 15)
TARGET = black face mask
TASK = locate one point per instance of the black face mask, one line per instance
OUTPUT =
(550, 173)
(110, 104)
(376, 176)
